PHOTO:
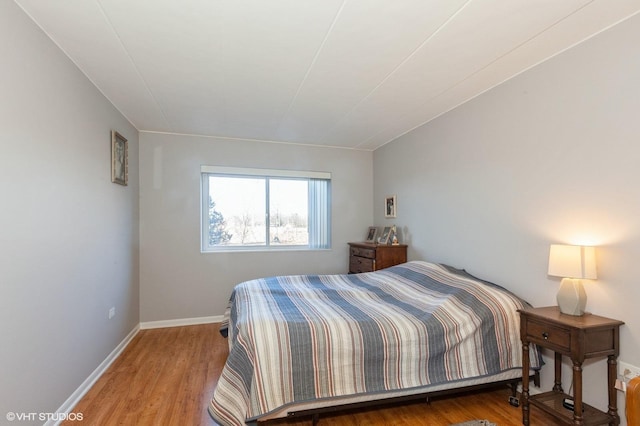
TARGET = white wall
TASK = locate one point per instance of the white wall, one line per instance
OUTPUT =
(176, 280)
(551, 156)
(68, 236)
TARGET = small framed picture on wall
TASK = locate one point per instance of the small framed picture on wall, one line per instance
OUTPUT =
(119, 159)
(390, 206)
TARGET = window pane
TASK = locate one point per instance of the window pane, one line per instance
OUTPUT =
(237, 211)
(260, 208)
(288, 210)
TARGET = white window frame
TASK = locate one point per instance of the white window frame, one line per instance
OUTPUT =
(320, 225)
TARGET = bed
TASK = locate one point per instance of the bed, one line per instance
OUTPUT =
(302, 343)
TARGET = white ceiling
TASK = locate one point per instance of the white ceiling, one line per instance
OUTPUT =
(344, 73)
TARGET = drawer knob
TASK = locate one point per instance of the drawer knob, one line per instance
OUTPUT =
(545, 335)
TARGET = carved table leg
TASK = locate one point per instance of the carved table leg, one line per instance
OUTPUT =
(557, 384)
(613, 400)
(525, 383)
(577, 394)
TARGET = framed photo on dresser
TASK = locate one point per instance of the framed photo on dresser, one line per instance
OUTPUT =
(386, 233)
(372, 233)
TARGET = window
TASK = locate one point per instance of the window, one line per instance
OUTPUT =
(264, 209)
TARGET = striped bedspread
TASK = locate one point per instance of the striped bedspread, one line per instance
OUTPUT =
(301, 338)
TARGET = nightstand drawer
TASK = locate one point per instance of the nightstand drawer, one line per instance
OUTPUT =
(548, 335)
(360, 264)
(363, 252)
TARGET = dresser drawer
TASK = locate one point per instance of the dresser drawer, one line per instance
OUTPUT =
(369, 257)
(550, 336)
(360, 264)
(363, 252)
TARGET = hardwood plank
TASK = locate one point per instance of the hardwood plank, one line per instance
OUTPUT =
(167, 377)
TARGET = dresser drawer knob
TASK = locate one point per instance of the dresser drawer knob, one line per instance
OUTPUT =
(545, 335)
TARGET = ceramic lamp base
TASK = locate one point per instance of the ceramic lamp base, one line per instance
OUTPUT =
(572, 299)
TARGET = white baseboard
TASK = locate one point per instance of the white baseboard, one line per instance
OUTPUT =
(180, 322)
(75, 397)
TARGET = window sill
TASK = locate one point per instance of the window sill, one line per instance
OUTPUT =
(263, 250)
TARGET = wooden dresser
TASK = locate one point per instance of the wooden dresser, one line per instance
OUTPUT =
(368, 257)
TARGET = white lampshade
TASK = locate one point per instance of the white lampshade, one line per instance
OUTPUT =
(572, 263)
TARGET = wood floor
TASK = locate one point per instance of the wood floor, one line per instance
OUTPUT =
(167, 377)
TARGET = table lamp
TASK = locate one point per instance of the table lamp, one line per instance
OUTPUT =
(573, 264)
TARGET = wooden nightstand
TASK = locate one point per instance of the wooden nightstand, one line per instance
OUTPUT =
(587, 336)
(369, 257)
